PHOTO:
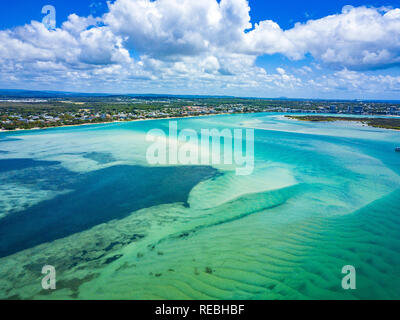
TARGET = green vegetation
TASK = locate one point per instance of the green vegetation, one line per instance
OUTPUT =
(30, 113)
(386, 123)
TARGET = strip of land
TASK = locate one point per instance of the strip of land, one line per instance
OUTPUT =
(28, 111)
(386, 123)
(83, 123)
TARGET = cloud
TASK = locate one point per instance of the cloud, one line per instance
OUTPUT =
(206, 46)
(357, 38)
(357, 82)
(73, 44)
(167, 28)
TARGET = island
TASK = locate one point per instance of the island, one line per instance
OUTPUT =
(377, 122)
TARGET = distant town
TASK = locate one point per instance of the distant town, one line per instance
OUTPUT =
(19, 113)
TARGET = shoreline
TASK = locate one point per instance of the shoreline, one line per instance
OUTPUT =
(119, 121)
(286, 115)
(372, 122)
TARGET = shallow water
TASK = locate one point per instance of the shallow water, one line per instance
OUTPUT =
(83, 199)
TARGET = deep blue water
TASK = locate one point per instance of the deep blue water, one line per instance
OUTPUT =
(18, 164)
(96, 197)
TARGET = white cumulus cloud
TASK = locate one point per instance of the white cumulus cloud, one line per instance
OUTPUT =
(205, 46)
(357, 38)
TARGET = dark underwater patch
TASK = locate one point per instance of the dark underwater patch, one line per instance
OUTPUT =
(18, 164)
(100, 157)
(98, 197)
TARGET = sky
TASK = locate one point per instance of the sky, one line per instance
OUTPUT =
(258, 48)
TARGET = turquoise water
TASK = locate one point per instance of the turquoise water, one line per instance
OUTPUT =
(85, 200)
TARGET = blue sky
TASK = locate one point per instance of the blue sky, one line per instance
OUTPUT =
(292, 48)
(285, 12)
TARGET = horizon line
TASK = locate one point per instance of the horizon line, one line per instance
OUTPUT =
(89, 94)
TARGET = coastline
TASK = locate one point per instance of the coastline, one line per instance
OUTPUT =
(296, 118)
(373, 122)
(119, 121)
